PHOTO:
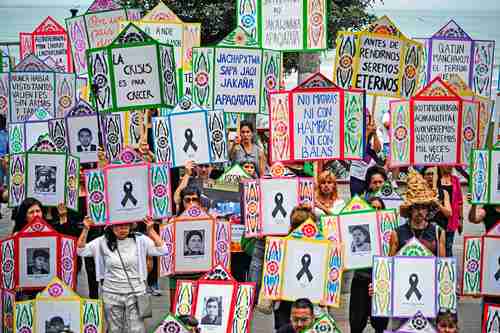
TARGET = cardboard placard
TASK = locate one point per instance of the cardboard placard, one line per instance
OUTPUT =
(164, 26)
(295, 25)
(379, 59)
(134, 72)
(235, 75)
(50, 43)
(317, 123)
(97, 27)
(484, 176)
(452, 51)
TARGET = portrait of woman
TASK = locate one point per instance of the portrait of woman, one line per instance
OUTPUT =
(194, 243)
(360, 238)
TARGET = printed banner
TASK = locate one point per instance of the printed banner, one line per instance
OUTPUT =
(50, 43)
(379, 59)
(134, 72)
(235, 76)
(452, 51)
(325, 123)
(96, 28)
(291, 25)
(164, 26)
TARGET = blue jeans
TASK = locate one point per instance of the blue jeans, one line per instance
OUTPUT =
(257, 264)
(450, 235)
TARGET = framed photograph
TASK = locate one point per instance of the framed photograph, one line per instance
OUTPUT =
(46, 174)
(83, 137)
(491, 318)
(360, 238)
(490, 266)
(217, 301)
(59, 309)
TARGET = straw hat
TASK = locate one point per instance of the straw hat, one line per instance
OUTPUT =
(418, 193)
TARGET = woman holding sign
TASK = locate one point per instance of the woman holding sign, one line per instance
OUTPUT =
(245, 148)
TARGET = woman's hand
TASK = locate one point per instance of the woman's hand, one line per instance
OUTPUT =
(189, 167)
(87, 223)
(237, 139)
(101, 156)
(62, 211)
(148, 221)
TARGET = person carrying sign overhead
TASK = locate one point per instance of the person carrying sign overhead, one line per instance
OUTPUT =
(245, 148)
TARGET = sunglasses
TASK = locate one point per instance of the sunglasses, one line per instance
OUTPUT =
(190, 199)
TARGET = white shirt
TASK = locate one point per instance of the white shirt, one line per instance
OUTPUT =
(334, 209)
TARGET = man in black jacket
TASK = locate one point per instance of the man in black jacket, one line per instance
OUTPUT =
(302, 316)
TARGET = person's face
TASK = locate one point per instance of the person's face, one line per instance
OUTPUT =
(195, 243)
(40, 262)
(419, 216)
(376, 183)
(445, 170)
(249, 168)
(377, 204)
(121, 231)
(327, 187)
(85, 138)
(301, 319)
(203, 170)
(190, 200)
(358, 237)
(33, 212)
(246, 134)
(212, 309)
(429, 177)
(447, 327)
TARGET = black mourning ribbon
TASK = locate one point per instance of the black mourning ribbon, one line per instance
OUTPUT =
(188, 135)
(497, 274)
(306, 262)
(127, 189)
(413, 280)
(278, 200)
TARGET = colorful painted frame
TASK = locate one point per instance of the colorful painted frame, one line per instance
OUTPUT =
(10, 271)
(241, 93)
(97, 27)
(347, 69)
(243, 297)
(491, 318)
(483, 177)
(59, 90)
(156, 183)
(190, 132)
(384, 287)
(258, 222)
(124, 78)
(24, 135)
(220, 245)
(59, 56)
(417, 324)
(162, 24)
(323, 323)
(170, 323)
(462, 117)
(20, 180)
(477, 58)
(310, 36)
(292, 113)
(90, 313)
(7, 304)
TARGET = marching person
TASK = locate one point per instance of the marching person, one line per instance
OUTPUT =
(244, 148)
(120, 257)
(301, 317)
(327, 199)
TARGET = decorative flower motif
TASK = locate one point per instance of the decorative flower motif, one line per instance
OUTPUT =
(96, 197)
(280, 129)
(382, 285)
(127, 157)
(65, 102)
(401, 133)
(194, 211)
(221, 246)
(90, 329)
(270, 82)
(446, 288)
(55, 290)
(159, 191)
(469, 133)
(8, 265)
(247, 21)
(183, 309)
(272, 268)
(481, 69)
(387, 236)
(168, 76)
(410, 71)
(217, 135)
(201, 79)
(24, 329)
(240, 38)
(171, 327)
(72, 182)
(252, 208)
(309, 230)
(17, 179)
(316, 19)
(345, 61)
(277, 170)
(185, 104)
(472, 266)
(241, 312)
(112, 138)
(334, 274)
(37, 227)
(67, 264)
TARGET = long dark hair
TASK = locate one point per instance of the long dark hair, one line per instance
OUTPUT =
(111, 240)
(22, 212)
(190, 190)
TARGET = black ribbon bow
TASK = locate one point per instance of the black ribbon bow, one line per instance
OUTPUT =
(413, 280)
(306, 262)
(497, 274)
(278, 200)
(188, 135)
(127, 189)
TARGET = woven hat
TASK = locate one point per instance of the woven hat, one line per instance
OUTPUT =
(418, 193)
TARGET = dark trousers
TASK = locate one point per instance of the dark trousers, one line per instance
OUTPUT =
(153, 275)
(91, 278)
(360, 307)
(240, 263)
(282, 314)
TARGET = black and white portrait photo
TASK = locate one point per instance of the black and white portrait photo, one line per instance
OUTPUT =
(56, 325)
(45, 179)
(38, 261)
(212, 314)
(85, 139)
(194, 242)
(360, 235)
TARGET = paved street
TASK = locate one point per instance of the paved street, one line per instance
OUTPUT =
(469, 309)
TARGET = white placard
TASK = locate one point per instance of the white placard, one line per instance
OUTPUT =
(193, 246)
(29, 92)
(33, 271)
(237, 83)
(436, 132)
(283, 24)
(490, 275)
(211, 299)
(316, 125)
(189, 137)
(103, 27)
(279, 197)
(451, 57)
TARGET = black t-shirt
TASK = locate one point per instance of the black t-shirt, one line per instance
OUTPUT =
(286, 329)
(491, 218)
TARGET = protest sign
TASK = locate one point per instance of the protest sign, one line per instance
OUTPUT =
(484, 173)
(50, 43)
(235, 75)
(435, 127)
(452, 51)
(133, 72)
(324, 123)
(97, 27)
(496, 122)
(33, 90)
(164, 26)
(379, 59)
(290, 25)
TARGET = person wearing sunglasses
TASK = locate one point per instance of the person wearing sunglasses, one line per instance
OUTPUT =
(194, 176)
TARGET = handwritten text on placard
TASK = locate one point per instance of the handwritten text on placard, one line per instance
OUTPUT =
(283, 24)
(451, 57)
(31, 91)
